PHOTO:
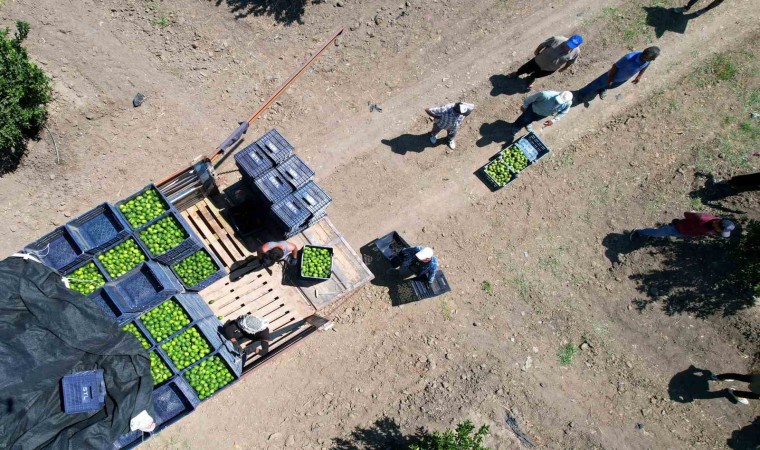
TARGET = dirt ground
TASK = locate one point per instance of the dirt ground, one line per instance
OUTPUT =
(539, 266)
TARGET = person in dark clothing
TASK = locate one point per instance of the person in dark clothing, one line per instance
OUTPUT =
(713, 4)
(555, 54)
(417, 260)
(741, 396)
(251, 329)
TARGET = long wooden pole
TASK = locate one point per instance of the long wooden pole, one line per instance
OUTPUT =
(237, 134)
(219, 151)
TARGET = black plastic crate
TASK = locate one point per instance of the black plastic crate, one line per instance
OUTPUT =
(116, 244)
(97, 264)
(533, 147)
(273, 186)
(190, 245)
(390, 245)
(106, 299)
(424, 290)
(295, 170)
(145, 287)
(253, 161)
(316, 218)
(172, 401)
(234, 364)
(490, 181)
(275, 146)
(191, 303)
(211, 279)
(83, 391)
(313, 197)
(129, 440)
(167, 204)
(300, 267)
(98, 228)
(57, 250)
(291, 213)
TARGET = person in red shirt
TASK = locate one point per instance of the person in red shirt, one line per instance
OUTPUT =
(692, 225)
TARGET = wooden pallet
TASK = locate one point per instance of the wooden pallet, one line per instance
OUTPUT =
(262, 295)
(215, 232)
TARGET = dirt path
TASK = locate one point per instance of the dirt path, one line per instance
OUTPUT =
(538, 243)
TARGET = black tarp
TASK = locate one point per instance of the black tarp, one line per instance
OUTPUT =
(48, 331)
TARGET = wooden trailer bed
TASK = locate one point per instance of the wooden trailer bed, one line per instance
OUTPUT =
(284, 299)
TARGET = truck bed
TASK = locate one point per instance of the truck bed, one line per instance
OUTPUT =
(284, 299)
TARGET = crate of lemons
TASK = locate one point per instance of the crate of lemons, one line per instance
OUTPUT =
(143, 208)
(122, 258)
(163, 236)
(158, 369)
(86, 279)
(316, 262)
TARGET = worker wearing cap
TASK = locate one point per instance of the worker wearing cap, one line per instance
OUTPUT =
(272, 252)
(633, 63)
(555, 53)
(420, 261)
(542, 105)
(693, 225)
(249, 328)
(448, 117)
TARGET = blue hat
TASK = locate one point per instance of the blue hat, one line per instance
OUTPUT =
(575, 41)
(726, 227)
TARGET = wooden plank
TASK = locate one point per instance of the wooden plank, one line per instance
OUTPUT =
(223, 230)
(233, 254)
(207, 235)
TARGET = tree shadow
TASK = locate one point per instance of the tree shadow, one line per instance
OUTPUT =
(283, 11)
(703, 277)
(497, 131)
(504, 85)
(410, 143)
(10, 158)
(667, 19)
(692, 384)
(384, 434)
(712, 194)
(746, 438)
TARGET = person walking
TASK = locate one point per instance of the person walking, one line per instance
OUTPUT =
(742, 397)
(634, 63)
(692, 225)
(448, 117)
(542, 105)
(713, 4)
(554, 54)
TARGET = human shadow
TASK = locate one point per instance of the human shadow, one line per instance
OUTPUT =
(383, 434)
(505, 85)
(283, 11)
(746, 438)
(400, 291)
(715, 194)
(692, 384)
(617, 244)
(667, 19)
(410, 143)
(498, 131)
(703, 277)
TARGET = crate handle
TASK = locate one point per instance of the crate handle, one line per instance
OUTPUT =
(272, 147)
(292, 173)
(309, 199)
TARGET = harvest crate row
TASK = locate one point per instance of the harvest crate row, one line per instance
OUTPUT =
(189, 360)
(141, 263)
(507, 165)
(282, 183)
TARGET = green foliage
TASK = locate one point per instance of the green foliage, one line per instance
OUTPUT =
(487, 287)
(24, 92)
(566, 354)
(463, 438)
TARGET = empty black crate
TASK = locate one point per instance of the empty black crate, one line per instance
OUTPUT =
(272, 186)
(253, 161)
(98, 228)
(275, 146)
(295, 171)
(313, 197)
(58, 250)
(291, 213)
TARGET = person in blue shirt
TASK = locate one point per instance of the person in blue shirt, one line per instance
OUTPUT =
(634, 63)
(419, 261)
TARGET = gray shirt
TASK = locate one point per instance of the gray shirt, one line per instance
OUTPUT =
(554, 55)
(546, 103)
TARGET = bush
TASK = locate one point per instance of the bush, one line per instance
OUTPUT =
(461, 439)
(24, 94)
